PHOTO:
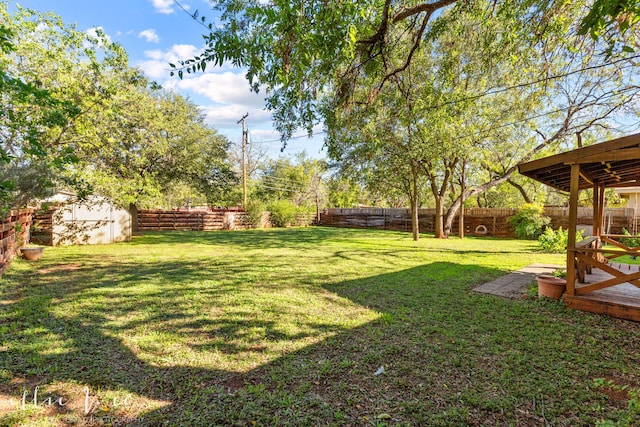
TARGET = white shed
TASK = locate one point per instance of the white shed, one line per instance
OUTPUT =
(95, 220)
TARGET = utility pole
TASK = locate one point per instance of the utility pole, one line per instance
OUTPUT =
(244, 161)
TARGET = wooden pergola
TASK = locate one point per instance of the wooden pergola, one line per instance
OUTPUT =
(614, 163)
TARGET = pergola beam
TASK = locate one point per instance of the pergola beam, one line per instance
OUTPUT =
(612, 156)
(612, 164)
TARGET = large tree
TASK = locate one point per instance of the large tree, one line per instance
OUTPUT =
(74, 114)
(427, 107)
(151, 139)
(303, 51)
(490, 67)
(52, 79)
(583, 98)
(299, 179)
(376, 144)
(475, 98)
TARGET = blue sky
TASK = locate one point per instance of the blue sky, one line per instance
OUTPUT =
(156, 32)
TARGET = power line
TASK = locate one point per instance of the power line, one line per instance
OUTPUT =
(537, 116)
(287, 185)
(279, 189)
(293, 137)
(193, 16)
(531, 83)
(502, 90)
(275, 178)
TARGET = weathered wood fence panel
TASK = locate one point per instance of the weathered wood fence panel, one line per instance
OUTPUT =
(14, 233)
(477, 221)
(42, 228)
(149, 220)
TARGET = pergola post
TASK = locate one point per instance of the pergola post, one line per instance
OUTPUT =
(571, 232)
(601, 206)
(597, 218)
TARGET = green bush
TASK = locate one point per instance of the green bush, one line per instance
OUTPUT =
(555, 241)
(283, 212)
(632, 242)
(254, 210)
(529, 221)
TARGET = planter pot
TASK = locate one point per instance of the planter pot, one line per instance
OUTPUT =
(32, 254)
(551, 286)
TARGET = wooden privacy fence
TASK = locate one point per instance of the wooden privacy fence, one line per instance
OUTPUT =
(477, 221)
(42, 232)
(14, 233)
(150, 220)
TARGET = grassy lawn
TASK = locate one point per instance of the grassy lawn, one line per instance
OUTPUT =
(291, 327)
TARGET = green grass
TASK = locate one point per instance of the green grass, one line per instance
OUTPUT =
(288, 327)
(626, 259)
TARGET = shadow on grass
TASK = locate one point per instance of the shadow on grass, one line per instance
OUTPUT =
(449, 356)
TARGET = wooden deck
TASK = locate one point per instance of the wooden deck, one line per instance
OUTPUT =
(622, 301)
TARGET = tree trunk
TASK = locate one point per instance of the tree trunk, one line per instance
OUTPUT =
(133, 210)
(415, 225)
(442, 230)
(439, 225)
(462, 190)
(453, 210)
(414, 198)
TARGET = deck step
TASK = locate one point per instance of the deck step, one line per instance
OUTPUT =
(620, 306)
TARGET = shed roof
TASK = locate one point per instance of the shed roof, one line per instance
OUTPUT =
(615, 163)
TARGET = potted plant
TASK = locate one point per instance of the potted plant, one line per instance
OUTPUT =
(32, 253)
(552, 286)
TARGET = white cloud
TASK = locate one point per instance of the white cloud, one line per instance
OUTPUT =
(227, 116)
(225, 88)
(150, 35)
(264, 134)
(269, 134)
(216, 84)
(183, 51)
(157, 64)
(224, 96)
(93, 32)
(163, 6)
(97, 33)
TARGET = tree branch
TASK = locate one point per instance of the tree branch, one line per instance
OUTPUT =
(429, 8)
(521, 189)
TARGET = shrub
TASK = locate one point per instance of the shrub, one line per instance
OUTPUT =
(254, 210)
(283, 212)
(555, 241)
(632, 242)
(529, 221)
